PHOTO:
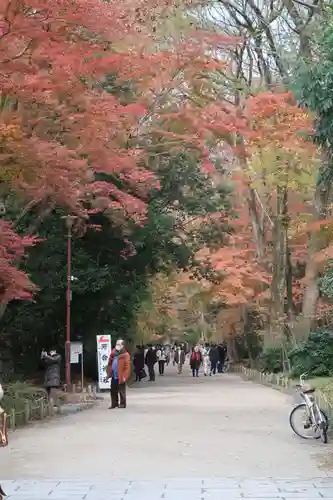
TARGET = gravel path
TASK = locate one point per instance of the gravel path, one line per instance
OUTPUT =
(178, 427)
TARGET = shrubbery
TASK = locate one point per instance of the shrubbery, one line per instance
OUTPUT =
(313, 356)
(18, 393)
(270, 360)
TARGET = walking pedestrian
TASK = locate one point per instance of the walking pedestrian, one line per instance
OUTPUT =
(150, 361)
(168, 354)
(206, 361)
(139, 363)
(213, 357)
(222, 354)
(179, 359)
(52, 361)
(161, 358)
(195, 361)
(119, 370)
(173, 354)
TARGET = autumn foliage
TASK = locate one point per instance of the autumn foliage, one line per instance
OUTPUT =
(273, 159)
(14, 283)
(65, 140)
(59, 128)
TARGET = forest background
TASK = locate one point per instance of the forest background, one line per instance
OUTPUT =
(191, 143)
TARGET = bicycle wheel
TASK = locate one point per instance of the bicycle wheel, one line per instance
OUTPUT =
(322, 423)
(304, 427)
(323, 432)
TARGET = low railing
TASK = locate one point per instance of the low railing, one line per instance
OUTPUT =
(282, 383)
(40, 409)
(33, 410)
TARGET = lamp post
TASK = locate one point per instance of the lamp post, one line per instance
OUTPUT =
(69, 219)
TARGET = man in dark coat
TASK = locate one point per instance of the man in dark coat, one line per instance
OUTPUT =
(222, 354)
(213, 358)
(151, 360)
(139, 363)
(52, 362)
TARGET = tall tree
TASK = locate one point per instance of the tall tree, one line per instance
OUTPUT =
(315, 90)
(274, 36)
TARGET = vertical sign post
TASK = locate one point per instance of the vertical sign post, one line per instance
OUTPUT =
(82, 372)
(103, 353)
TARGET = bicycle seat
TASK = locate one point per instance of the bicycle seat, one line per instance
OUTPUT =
(311, 390)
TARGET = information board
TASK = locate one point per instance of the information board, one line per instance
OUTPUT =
(76, 351)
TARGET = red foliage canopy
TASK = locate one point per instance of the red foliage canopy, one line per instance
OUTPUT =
(243, 277)
(14, 284)
(58, 126)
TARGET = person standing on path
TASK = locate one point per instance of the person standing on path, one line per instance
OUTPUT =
(139, 363)
(179, 359)
(222, 354)
(52, 362)
(214, 358)
(150, 361)
(205, 358)
(161, 358)
(195, 361)
(119, 370)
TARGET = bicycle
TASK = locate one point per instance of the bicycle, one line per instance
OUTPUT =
(314, 418)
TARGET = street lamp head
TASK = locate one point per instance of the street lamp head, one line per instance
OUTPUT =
(69, 220)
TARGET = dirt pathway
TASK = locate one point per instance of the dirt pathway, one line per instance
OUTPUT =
(176, 427)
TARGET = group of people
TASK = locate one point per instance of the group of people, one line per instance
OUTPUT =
(149, 356)
(211, 357)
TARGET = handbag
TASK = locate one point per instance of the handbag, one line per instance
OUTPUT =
(143, 373)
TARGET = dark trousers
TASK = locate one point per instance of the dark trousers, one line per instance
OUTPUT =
(213, 367)
(151, 372)
(138, 376)
(221, 365)
(161, 365)
(195, 372)
(118, 394)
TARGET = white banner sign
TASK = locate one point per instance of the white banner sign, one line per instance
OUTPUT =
(103, 353)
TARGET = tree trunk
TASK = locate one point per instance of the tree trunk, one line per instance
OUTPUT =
(277, 324)
(320, 204)
(232, 350)
(258, 224)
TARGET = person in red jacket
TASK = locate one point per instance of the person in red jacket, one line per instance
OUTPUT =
(119, 370)
(195, 361)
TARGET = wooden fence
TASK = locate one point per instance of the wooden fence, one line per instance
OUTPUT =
(37, 409)
(283, 383)
(40, 409)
